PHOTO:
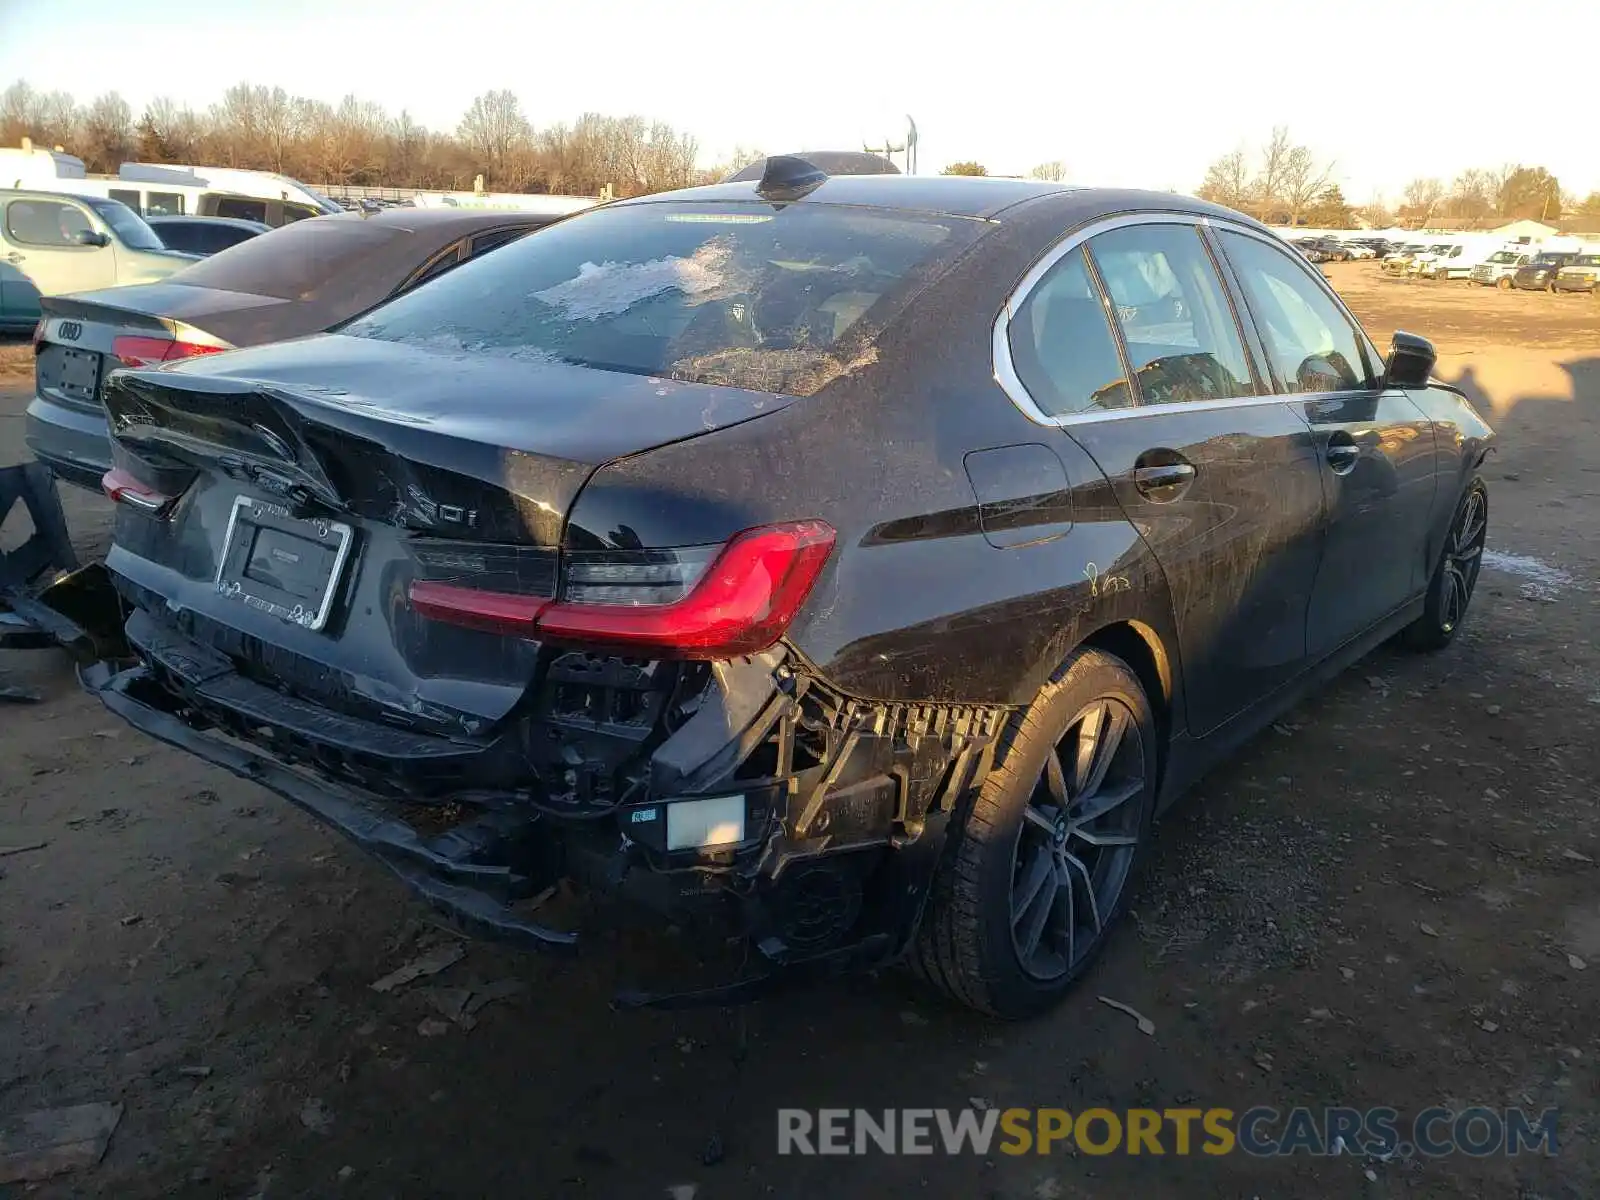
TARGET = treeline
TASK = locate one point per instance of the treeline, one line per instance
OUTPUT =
(359, 142)
(1284, 183)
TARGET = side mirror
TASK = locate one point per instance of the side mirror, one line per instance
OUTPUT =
(90, 237)
(1410, 361)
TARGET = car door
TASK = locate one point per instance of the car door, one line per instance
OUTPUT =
(1219, 478)
(1374, 445)
(40, 237)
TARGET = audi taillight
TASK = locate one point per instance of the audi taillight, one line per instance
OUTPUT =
(136, 350)
(702, 602)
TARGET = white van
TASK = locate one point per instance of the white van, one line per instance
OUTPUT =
(1462, 257)
(170, 190)
(1497, 269)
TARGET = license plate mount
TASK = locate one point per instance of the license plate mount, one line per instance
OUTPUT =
(285, 566)
(80, 373)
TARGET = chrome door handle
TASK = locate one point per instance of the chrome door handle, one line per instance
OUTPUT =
(14, 257)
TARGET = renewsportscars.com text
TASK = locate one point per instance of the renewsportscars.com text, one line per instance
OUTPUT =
(1260, 1131)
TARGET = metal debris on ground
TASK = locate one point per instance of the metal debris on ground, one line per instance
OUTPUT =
(7, 851)
(38, 1145)
(1146, 1025)
(442, 956)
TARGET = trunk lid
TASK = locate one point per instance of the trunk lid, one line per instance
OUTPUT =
(319, 479)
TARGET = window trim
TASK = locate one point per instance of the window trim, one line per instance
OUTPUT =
(1005, 373)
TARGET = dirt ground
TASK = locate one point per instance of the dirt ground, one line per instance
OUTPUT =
(1391, 898)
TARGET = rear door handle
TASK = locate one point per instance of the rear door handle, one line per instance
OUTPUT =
(1167, 475)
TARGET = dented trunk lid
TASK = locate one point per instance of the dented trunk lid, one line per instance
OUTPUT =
(327, 475)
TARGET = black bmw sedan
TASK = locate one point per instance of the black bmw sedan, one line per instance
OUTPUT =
(861, 562)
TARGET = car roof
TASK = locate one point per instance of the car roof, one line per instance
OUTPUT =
(984, 197)
(445, 223)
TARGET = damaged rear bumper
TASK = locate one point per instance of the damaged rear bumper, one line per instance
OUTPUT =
(845, 804)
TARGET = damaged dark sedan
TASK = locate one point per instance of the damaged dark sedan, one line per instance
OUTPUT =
(860, 564)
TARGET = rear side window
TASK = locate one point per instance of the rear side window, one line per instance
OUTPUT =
(1313, 347)
(770, 298)
(1182, 341)
(242, 209)
(1062, 346)
(124, 196)
(164, 204)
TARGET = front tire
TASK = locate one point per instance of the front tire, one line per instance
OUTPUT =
(1503, 283)
(1042, 866)
(1455, 576)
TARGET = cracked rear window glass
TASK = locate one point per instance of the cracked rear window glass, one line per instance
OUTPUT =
(775, 298)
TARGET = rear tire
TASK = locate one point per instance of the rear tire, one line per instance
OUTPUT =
(1455, 576)
(1031, 887)
(1503, 283)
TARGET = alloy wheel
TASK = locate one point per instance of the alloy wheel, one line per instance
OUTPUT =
(1462, 558)
(1077, 839)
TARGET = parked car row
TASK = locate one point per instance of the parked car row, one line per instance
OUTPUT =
(299, 279)
(852, 562)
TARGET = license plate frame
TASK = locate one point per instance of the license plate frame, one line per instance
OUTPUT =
(246, 520)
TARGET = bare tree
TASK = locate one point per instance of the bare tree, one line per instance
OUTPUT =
(1302, 180)
(107, 133)
(19, 112)
(1053, 171)
(494, 128)
(1274, 162)
(1472, 195)
(1227, 181)
(1422, 197)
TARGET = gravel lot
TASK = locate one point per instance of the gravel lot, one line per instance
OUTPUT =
(1393, 897)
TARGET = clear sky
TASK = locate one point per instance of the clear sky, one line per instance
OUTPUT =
(1129, 92)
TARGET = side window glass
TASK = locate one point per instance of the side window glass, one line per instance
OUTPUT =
(1312, 345)
(298, 212)
(165, 204)
(248, 210)
(1062, 346)
(44, 223)
(130, 198)
(1183, 343)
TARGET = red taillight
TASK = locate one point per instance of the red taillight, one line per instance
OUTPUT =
(740, 603)
(123, 488)
(495, 612)
(38, 336)
(134, 350)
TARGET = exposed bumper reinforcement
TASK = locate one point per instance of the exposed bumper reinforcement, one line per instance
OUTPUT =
(393, 842)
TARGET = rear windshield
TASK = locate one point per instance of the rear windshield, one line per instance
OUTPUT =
(1587, 260)
(128, 225)
(299, 260)
(770, 298)
(1502, 256)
